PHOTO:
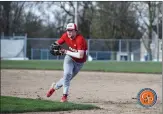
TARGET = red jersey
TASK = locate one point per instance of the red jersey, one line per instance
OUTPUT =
(78, 43)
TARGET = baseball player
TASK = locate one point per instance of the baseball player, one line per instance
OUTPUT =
(73, 61)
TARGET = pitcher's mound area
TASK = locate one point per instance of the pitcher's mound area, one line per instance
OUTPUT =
(114, 92)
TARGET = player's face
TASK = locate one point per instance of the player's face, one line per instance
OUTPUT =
(71, 33)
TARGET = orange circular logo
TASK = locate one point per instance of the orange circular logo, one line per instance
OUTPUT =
(147, 97)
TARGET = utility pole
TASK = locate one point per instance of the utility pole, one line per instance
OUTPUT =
(76, 13)
(162, 31)
(157, 13)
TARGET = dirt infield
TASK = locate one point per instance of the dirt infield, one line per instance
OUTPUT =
(115, 93)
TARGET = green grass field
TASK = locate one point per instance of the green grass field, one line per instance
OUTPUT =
(18, 105)
(105, 66)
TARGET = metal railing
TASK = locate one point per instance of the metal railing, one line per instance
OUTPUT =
(98, 49)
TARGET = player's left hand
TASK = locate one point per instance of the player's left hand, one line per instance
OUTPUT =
(55, 49)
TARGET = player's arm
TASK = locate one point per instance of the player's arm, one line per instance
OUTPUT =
(79, 54)
(80, 50)
(61, 40)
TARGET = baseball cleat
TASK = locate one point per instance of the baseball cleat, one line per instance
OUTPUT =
(50, 92)
(64, 98)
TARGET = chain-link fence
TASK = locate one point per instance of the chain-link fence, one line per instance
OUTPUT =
(38, 49)
(113, 49)
(98, 49)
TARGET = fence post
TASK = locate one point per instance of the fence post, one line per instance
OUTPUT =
(128, 51)
(32, 53)
(25, 46)
(88, 47)
(2, 35)
(41, 54)
(47, 54)
(119, 45)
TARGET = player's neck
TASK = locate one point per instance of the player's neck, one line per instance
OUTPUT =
(72, 38)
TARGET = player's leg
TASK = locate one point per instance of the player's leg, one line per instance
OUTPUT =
(59, 84)
(68, 72)
(54, 87)
(71, 69)
(77, 68)
(68, 69)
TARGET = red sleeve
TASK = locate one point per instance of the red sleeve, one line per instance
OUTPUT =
(61, 40)
(81, 44)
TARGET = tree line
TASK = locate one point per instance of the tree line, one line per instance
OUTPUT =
(106, 20)
(95, 19)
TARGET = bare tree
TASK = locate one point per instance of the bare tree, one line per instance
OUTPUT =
(147, 13)
(115, 20)
(11, 17)
(85, 14)
(17, 12)
(5, 18)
